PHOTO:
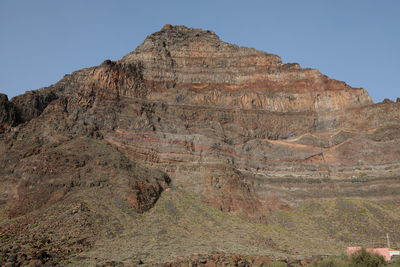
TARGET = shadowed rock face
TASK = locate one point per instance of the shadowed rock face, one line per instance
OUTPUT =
(235, 126)
(8, 114)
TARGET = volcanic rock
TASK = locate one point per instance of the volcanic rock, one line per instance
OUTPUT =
(8, 114)
(194, 67)
(230, 126)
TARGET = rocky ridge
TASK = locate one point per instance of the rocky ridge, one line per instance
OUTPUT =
(236, 127)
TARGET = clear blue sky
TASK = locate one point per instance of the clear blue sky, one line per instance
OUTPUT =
(357, 41)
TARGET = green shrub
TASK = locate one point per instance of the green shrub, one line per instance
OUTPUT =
(364, 259)
(361, 258)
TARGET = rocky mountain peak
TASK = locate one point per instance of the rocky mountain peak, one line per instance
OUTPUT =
(179, 33)
(175, 37)
(185, 119)
(197, 68)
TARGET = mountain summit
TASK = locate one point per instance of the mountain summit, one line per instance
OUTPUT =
(190, 145)
(187, 59)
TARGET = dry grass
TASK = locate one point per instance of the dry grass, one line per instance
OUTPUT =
(181, 225)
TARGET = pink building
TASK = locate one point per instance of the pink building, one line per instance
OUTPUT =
(387, 253)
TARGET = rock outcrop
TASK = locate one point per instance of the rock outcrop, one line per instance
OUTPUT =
(194, 67)
(234, 126)
(8, 114)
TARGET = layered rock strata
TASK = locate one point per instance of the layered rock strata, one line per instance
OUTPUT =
(241, 130)
(199, 109)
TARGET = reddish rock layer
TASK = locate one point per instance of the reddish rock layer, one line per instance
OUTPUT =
(234, 125)
(193, 66)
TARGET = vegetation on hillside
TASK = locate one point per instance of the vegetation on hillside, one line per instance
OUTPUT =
(360, 259)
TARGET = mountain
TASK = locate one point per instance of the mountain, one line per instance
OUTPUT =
(190, 147)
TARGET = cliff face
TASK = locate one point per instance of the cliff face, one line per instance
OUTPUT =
(194, 67)
(234, 126)
(8, 114)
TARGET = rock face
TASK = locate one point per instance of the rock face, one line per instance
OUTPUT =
(234, 126)
(194, 67)
(8, 113)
